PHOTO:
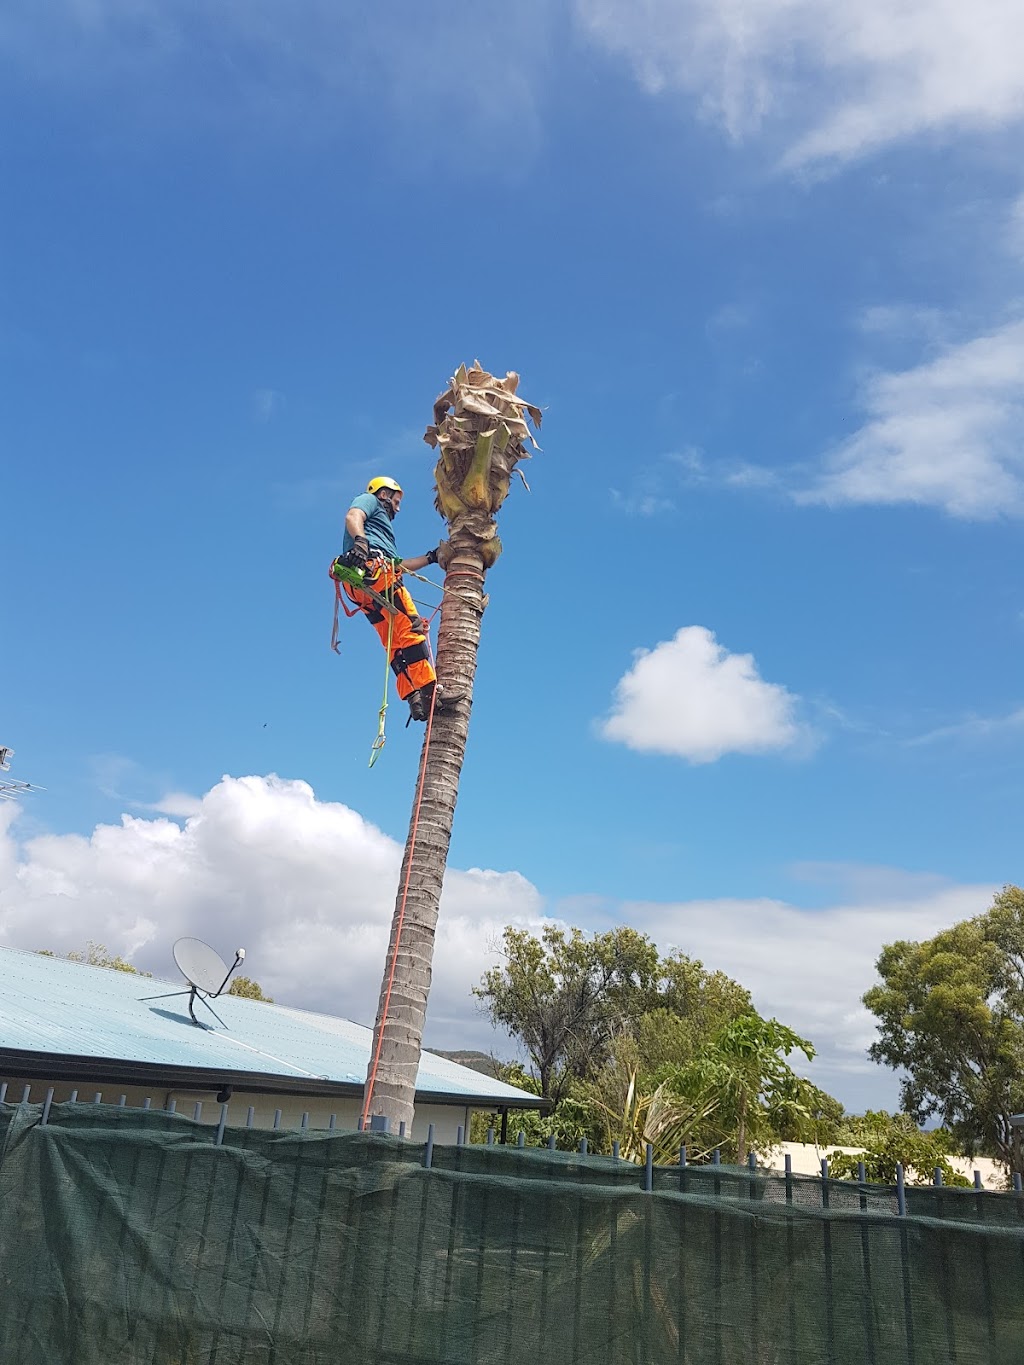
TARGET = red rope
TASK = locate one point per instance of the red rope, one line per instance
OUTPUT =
(401, 910)
(339, 601)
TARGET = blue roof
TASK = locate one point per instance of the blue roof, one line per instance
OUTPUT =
(51, 1008)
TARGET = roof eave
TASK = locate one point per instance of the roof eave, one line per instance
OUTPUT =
(72, 1069)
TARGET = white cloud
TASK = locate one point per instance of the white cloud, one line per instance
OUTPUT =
(947, 434)
(841, 79)
(307, 887)
(810, 968)
(975, 728)
(691, 698)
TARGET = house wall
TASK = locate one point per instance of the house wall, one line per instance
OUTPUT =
(446, 1118)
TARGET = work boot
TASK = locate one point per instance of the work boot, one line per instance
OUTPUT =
(419, 703)
(448, 698)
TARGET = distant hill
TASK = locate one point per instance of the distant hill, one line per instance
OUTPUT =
(476, 1061)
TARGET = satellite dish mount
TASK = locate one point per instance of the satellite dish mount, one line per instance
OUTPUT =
(206, 973)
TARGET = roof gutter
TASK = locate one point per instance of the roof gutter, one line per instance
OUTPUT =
(160, 1076)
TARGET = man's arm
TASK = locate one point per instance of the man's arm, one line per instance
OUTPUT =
(416, 562)
(355, 522)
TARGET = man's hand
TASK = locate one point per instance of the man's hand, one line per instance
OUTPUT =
(358, 555)
(431, 556)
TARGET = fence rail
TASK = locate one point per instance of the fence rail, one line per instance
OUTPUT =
(381, 1125)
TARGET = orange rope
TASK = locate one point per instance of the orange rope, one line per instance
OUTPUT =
(401, 910)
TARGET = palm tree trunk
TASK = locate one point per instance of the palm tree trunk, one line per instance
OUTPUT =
(401, 1012)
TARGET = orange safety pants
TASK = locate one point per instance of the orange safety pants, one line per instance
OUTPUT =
(410, 655)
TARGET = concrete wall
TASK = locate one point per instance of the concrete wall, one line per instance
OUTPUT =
(446, 1118)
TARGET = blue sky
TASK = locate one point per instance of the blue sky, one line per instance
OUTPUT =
(750, 678)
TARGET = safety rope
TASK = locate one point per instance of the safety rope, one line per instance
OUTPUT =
(400, 921)
(381, 740)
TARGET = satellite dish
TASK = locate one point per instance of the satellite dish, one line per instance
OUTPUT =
(205, 971)
(201, 966)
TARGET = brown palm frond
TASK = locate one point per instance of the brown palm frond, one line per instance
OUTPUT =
(481, 428)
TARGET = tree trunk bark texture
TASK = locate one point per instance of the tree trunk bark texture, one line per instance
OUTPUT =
(402, 1008)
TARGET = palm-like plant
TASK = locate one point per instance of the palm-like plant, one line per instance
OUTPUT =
(481, 429)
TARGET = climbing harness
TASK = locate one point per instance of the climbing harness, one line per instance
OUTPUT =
(385, 604)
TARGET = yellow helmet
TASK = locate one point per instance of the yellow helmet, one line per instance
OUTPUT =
(375, 485)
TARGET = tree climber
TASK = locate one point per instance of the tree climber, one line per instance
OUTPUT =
(370, 546)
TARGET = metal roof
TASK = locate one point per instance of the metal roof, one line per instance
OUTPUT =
(68, 1019)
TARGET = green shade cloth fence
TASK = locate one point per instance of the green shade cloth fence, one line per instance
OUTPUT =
(129, 1237)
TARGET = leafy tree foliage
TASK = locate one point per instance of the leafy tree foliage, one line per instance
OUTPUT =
(250, 989)
(888, 1139)
(98, 955)
(636, 1048)
(564, 996)
(950, 1014)
(744, 1068)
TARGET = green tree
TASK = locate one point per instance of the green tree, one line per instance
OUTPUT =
(250, 989)
(564, 997)
(98, 955)
(744, 1070)
(577, 1115)
(887, 1139)
(950, 1015)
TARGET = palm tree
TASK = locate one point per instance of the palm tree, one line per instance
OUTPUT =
(480, 428)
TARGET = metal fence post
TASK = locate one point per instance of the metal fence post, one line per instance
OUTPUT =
(428, 1155)
(649, 1169)
(380, 1123)
(221, 1125)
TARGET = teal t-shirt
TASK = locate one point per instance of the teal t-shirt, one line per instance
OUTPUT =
(378, 532)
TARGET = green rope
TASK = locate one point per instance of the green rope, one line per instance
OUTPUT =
(381, 740)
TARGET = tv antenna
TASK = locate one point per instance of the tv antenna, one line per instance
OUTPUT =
(11, 788)
(206, 973)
